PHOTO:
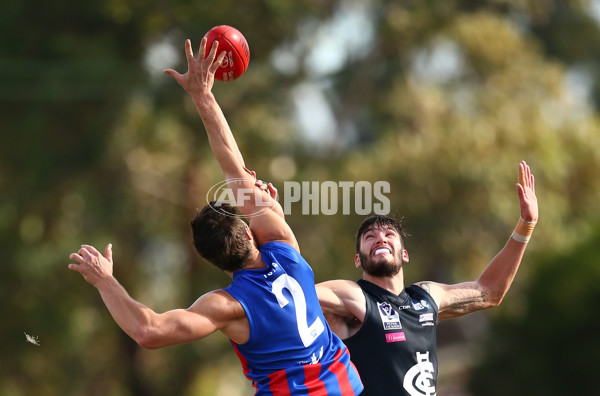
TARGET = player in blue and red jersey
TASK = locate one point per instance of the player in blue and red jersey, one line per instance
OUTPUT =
(270, 311)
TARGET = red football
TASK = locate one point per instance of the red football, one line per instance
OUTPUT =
(238, 52)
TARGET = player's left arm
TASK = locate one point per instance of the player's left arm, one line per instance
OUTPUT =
(198, 82)
(493, 284)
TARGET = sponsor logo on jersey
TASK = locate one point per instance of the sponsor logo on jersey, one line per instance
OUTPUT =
(420, 305)
(426, 317)
(395, 337)
(389, 317)
(314, 359)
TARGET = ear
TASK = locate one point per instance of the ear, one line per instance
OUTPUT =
(357, 260)
(249, 234)
(405, 256)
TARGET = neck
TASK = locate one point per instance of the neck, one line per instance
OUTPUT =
(394, 284)
(255, 261)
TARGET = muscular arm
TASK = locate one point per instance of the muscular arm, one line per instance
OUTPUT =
(213, 311)
(486, 292)
(343, 304)
(493, 283)
(198, 82)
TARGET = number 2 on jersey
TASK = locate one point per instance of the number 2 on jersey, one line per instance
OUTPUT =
(307, 334)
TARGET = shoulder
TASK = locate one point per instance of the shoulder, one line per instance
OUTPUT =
(223, 312)
(220, 304)
(421, 286)
(341, 287)
(218, 297)
(427, 286)
(281, 252)
(434, 290)
(278, 246)
(341, 293)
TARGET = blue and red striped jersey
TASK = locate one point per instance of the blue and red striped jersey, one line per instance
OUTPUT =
(291, 349)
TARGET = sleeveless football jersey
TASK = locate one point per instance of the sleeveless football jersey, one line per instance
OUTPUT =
(395, 348)
(291, 349)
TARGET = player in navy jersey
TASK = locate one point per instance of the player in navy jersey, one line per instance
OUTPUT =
(270, 311)
(390, 330)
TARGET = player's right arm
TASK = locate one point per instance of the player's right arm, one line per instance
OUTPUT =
(198, 82)
(343, 304)
(216, 310)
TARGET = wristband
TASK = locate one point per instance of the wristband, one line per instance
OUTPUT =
(523, 230)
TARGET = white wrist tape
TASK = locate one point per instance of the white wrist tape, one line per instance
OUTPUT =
(520, 238)
(523, 230)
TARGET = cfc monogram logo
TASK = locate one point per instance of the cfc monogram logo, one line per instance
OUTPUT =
(419, 379)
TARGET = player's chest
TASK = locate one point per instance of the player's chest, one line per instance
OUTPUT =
(399, 322)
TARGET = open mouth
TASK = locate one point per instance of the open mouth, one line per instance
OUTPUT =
(381, 250)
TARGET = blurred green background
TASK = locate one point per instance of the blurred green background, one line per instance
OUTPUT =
(440, 98)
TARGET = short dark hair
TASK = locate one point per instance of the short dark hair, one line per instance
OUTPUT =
(383, 222)
(220, 237)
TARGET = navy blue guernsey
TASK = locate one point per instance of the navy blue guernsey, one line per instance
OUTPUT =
(395, 348)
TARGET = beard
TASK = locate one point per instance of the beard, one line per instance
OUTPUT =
(384, 269)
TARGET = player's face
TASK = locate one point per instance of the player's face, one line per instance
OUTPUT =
(381, 253)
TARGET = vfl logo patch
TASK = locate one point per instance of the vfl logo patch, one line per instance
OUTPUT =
(389, 317)
(395, 337)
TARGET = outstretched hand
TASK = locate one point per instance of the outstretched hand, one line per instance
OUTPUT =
(200, 76)
(269, 188)
(526, 190)
(93, 266)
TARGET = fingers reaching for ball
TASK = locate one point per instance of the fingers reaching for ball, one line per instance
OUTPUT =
(227, 59)
(234, 49)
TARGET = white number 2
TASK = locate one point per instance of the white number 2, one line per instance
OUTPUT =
(307, 334)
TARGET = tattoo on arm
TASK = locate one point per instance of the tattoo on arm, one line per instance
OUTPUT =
(468, 303)
(460, 300)
(425, 286)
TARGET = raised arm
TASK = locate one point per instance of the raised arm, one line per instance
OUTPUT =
(213, 311)
(494, 282)
(198, 82)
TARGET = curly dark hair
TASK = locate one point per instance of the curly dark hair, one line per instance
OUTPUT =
(220, 237)
(383, 222)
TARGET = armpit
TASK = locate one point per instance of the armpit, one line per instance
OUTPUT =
(344, 326)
